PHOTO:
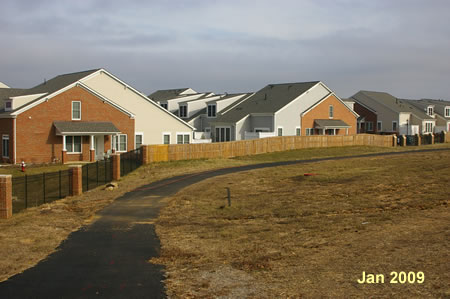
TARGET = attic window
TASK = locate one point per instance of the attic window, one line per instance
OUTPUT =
(8, 105)
(430, 110)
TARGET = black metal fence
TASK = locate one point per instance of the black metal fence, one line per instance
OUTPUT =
(426, 139)
(130, 161)
(411, 140)
(96, 174)
(34, 190)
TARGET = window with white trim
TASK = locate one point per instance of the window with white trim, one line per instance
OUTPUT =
(73, 144)
(8, 105)
(5, 146)
(183, 111)
(331, 111)
(428, 127)
(211, 110)
(183, 138)
(76, 110)
(298, 131)
(166, 138)
(430, 110)
(447, 111)
(394, 126)
(120, 142)
(223, 134)
(280, 131)
(164, 105)
(138, 140)
(369, 126)
(309, 131)
(379, 126)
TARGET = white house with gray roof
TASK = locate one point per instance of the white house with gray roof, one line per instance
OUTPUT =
(279, 110)
(438, 109)
(395, 115)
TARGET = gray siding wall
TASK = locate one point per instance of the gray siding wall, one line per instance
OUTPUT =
(261, 122)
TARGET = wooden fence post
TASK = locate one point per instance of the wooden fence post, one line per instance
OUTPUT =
(116, 167)
(5, 196)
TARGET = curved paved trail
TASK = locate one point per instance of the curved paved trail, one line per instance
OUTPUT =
(109, 258)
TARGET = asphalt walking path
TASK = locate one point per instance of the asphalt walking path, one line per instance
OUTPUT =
(109, 258)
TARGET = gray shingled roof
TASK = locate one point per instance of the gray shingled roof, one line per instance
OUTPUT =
(162, 95)
(330, 124)
(84, 127)
(439, 105)
(48, 87)
(200, 112)
(270, 99)
(393, 103)
(230, 95)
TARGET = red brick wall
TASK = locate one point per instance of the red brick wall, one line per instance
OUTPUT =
(369, 115)
(7, 128)
(36, 136)
(321, 111)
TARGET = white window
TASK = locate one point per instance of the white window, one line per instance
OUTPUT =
(164, 105)
(166, 138)
(447, 111)
(280, 131)
(76, 110)
(73, 144)
(139, 139)
(183, 138)
(330, 111)
(211, 110)
(428, 127)
(430, 110)
(379, 126)
(298, 131)
(5, 146)
(394, 126)
(309, 131)
(183, 111)
(369, 126)
(8, 105)
(120, 142)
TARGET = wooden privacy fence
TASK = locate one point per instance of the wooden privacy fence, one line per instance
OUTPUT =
(173, 152)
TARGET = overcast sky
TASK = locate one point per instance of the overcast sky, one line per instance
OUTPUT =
(398, 46)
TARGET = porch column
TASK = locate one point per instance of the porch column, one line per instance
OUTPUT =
(64, 150)
(92, 150)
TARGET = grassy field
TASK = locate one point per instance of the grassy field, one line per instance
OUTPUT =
(290, 235)
(31, 235)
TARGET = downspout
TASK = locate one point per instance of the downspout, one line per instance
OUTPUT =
(14, 145)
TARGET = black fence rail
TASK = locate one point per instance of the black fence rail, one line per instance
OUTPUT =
(439, 137)
(426, 139)
(130, 161)
(96, 174)
(411, 140)
(34, 190)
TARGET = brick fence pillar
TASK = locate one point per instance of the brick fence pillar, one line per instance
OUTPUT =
(432, 138)
(144, 153)
(77, 179)
(116, 167)
(5, 196)
(394, 140)
(403, 140)
(418, 139)
(92, 155)
(63, 157)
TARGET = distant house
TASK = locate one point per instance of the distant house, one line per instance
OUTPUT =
(80, 117)
(169, 98)
(307, 108)
(438, 109)
(392, 115)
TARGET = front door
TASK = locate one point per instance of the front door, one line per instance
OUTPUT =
(99, 146)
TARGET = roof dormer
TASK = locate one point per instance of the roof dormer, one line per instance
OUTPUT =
(8, 105)
(430, 110)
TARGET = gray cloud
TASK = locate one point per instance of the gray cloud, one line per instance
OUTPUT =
(398, 46)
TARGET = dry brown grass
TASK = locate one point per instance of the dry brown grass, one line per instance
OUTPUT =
(287, 235)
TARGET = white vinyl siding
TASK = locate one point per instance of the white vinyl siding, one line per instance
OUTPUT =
(76, 110)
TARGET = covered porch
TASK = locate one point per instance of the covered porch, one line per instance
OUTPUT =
(86, 141)
(330, 127)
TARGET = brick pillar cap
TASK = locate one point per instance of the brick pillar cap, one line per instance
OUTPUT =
(75, 166)
(5, 176)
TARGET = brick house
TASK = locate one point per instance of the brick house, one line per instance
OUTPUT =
(368, 120)
(62, 120)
